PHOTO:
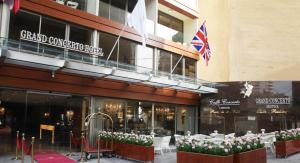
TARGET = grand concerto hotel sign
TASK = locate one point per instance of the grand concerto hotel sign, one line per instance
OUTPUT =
(61, 43)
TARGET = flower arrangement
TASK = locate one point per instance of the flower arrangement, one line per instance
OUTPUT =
(142, 140)
(247, 143)
(224, 148)
(192, 145)
(285, 135)
(105, 135)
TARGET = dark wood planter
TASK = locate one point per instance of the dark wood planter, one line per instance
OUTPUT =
(105, 144)
(257, 156)
(189, 157)
(285, 148)
(135, 152)
(118, 148)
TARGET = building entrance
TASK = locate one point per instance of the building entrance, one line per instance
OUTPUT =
(46, 115)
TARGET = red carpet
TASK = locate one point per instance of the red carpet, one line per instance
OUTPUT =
(52, 157)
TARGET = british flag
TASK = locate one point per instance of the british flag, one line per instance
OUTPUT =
(200, 43)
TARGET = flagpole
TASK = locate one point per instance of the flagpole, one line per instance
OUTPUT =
(120, 34)
(176, 64)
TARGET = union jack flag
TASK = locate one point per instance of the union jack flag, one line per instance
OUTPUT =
(200, 43)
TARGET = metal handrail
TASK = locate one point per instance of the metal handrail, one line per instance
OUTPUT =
(52, 52)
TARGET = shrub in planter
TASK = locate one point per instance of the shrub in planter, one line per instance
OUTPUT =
(132, 146)
(249, 149)
(287, 142)
(192, 150)
(246, 143)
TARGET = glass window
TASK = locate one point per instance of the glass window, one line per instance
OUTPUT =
(170, 27)
(104, 8)
(118, 10)
(185, 120)
(164, 61)
(190, 67)
(127, 51)
(54, 28)
(164, 116)
(139, 117)
(24, 21)
(177, 59)
(131, 5)
(82, 4)
(80, 35)
(106, 42)
(144, 57)
(115, 109)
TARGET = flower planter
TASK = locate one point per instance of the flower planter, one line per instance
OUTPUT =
(285, 148)
(257, 156)
(189, 157)
(135, 152)
(105, 144)
(118, 148)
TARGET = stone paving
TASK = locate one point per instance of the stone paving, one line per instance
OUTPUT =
(166, 158)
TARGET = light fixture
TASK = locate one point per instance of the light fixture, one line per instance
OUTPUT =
(2, 110)
(46, 115)
(69, 114)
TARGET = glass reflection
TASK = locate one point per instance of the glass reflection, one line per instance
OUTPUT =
(164, 123)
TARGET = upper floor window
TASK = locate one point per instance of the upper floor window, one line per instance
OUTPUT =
(170, 27)
(116, 9)
(177, 64)
(164, 61)
(190, 67)
(55, 30)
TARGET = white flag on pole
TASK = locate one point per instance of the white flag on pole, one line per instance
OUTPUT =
(138, 20)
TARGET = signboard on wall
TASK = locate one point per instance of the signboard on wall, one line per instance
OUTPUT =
(273, 102)
(60, 43)
(224, 103)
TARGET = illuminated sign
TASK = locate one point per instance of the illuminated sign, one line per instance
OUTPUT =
(60, 43)
(273, 103)
(224, 103)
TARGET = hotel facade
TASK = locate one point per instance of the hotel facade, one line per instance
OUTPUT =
(58, 65)
(57, 60)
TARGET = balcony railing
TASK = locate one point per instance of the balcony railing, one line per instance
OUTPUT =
(67, 55)
(169, 33)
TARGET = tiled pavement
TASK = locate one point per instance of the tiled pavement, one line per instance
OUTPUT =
(166, 158)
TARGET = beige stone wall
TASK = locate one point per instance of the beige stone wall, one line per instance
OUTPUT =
(264, 40)
(252, 39)
(216, 14)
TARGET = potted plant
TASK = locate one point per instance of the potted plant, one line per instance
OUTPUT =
(131, 146)
(191, 151)
(287, 142)
(249, 149)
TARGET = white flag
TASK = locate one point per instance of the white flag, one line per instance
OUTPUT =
(138, 20)
(10, 3)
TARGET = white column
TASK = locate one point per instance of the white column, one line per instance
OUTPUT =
(4, 20)
(152, 124)
(93, 8)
